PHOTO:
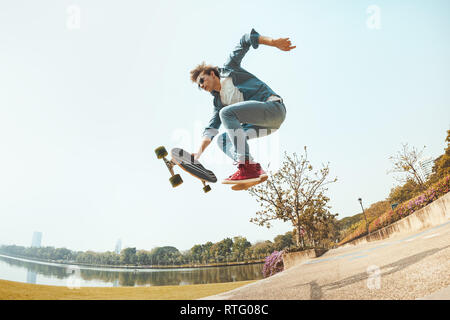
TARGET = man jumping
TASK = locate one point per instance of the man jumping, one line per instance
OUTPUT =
(245, 105)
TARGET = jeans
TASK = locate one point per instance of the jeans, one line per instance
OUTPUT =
(248, 120)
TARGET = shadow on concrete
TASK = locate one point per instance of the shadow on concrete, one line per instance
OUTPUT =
(316, 290)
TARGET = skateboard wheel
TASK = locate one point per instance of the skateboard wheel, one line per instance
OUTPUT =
(176, 180)
(161, 152)
(207, 188)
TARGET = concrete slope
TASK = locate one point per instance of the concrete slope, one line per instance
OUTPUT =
(405, 266)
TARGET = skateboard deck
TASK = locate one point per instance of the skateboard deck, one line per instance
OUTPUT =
(186, 162)
(245, 186)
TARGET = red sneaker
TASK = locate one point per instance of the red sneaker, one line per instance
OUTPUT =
(260, 171)
(247, 172)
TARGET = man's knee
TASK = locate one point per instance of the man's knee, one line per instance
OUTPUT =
(225, 113)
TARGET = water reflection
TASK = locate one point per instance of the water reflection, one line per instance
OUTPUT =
(139, 277)
(31, 276)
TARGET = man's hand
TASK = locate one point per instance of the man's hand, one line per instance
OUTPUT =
(281, 43)
(205, 143)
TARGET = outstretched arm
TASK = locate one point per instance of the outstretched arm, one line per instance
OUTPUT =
(281, 43)
(247, 40)
(254, 39)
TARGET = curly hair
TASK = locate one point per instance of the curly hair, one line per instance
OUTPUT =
(203, 67)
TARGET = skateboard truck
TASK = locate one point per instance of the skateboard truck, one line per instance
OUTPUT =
(175, 179)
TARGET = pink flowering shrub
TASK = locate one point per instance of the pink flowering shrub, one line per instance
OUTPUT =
(273, 264)
(406, 208)
(403, 210)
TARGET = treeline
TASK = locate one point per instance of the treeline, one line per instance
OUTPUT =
(353, 223)
(238, 249)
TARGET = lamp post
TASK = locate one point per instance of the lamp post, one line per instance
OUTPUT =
(365, 218)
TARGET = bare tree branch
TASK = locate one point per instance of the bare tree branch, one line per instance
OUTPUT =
(406, 162)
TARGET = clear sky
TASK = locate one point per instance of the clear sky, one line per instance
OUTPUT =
(88, 90)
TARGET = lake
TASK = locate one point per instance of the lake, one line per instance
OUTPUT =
(24, 270)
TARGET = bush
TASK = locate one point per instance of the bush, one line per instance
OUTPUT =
(404, 209)
(273, 264)
(408, 207)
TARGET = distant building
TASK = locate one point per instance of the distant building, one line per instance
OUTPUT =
(118, 246)
(37, 238)
(426, 167)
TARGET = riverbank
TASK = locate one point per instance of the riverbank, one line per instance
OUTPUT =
(132, 267)
(10, 290)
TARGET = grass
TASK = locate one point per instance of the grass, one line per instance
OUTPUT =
(10, 290)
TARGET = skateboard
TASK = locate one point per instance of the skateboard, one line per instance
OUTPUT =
(185, 161)
(247, 185)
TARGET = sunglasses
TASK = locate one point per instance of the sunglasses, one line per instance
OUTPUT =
(201, 82)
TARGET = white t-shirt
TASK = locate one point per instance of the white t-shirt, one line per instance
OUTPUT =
(229, 94)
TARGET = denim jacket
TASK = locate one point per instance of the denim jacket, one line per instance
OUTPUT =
(251, 87)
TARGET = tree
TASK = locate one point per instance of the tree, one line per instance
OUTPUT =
(240, 244)
(318, 222)
(283, 241)
(143, 257)
(405, 192)
(196, 253)
(263, 248)
(441, 166)
(62, 254)
(221, 249)
(295, 193)
(128, 256)
(206, 254)
(165, 255)
(406, 162)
